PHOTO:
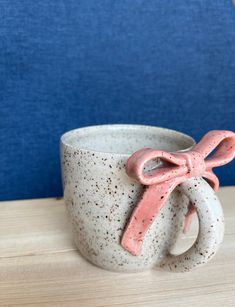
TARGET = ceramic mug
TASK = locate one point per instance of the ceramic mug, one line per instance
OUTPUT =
(101, 195)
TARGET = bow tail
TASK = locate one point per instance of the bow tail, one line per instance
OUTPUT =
(144, 214)
(212, 179)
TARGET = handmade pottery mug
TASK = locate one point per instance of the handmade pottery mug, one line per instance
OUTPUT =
(127, 212)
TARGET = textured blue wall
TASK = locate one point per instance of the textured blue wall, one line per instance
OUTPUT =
(67, 64)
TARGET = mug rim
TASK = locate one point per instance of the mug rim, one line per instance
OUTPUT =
(93, 128)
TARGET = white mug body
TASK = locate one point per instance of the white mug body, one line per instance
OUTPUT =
(100, 197)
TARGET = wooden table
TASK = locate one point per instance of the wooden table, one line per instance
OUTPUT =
(40, 266)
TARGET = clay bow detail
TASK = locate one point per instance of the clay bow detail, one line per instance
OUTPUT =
(161, 181)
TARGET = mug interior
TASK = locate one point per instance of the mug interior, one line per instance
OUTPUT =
(126, 139)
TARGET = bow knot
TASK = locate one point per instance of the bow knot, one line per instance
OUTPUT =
(194, 162)
(216, 148)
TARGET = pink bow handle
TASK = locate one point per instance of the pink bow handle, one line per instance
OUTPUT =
(178, 167)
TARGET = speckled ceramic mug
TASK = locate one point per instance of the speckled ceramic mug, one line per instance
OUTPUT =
(100, 198)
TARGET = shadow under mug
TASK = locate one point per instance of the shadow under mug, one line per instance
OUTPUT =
(100, 198)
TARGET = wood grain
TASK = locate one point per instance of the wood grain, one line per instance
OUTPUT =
(39, 265)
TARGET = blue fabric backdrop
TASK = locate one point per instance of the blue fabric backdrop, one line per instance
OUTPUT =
(70, 63)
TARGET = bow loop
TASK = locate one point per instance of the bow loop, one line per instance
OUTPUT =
(168, 166)
(223, 145)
